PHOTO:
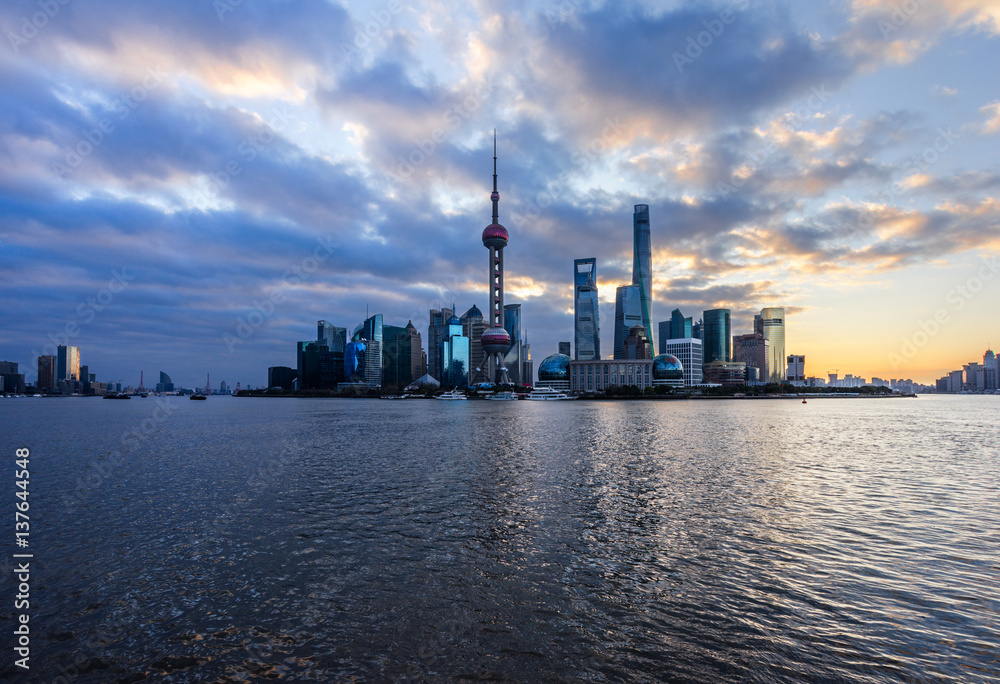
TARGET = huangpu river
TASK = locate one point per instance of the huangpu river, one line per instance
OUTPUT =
(234, 540)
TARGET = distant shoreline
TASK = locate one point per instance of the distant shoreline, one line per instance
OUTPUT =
(662, 397)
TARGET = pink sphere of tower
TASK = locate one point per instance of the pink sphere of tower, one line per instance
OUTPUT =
(495, 340)
(495, 235)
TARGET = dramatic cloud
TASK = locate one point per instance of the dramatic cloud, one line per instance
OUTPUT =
(203, 151)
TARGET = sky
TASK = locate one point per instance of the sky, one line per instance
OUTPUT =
(189, 186)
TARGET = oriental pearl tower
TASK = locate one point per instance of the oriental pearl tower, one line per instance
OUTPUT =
(495, 339)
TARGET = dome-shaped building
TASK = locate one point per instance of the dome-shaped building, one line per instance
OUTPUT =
(554, 372)
(667, 370)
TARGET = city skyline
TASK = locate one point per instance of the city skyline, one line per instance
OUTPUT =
(189, 201)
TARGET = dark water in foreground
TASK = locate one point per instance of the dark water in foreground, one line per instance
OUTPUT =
(246, 539)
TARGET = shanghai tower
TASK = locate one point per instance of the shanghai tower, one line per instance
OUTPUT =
(642, 266)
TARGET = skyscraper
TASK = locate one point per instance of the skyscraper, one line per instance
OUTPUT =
(717, 337)
(642, 264)
(371, 329)
(67, 363)
(753, 350)
(496, 340)
(628, 312)
(688, 351)
(680, 327)
(363, 363)
(435, 335)
(564, 348)
(165, 384)
(397, 355)
(46, 372)
(455, 355)
(473, 327)
(335, 338)
(527, 365)
(513, 357)
(586, 320)
(417, 354)
(990, 362)
(772, 326)
(308, 369)
(11, 381)
(677, 328)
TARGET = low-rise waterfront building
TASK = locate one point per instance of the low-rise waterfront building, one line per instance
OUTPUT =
(597, 375)
(725, 373)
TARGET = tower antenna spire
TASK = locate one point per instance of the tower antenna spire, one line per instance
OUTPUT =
(496, 195)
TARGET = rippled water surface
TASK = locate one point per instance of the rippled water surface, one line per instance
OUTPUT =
(248, 539)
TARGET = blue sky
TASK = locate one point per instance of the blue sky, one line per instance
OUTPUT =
(268, 164)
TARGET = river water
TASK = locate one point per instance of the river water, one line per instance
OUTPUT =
(248, 539)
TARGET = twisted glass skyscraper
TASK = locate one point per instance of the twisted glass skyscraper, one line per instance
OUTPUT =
(642, 265)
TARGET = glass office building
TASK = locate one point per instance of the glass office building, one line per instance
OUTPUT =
(436, 332)
(772, 327)
(399, 363)
(586, 319)
(473, 327)
(455, 355)
(363, 363)
(67, 363)
(628, 313)
(677, 328)
(333, 337)
(47, 372)
(717, 342)
(514, 358)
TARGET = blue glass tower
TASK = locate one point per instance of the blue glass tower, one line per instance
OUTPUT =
(717, 336)
(455, 355)
(586, 321)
